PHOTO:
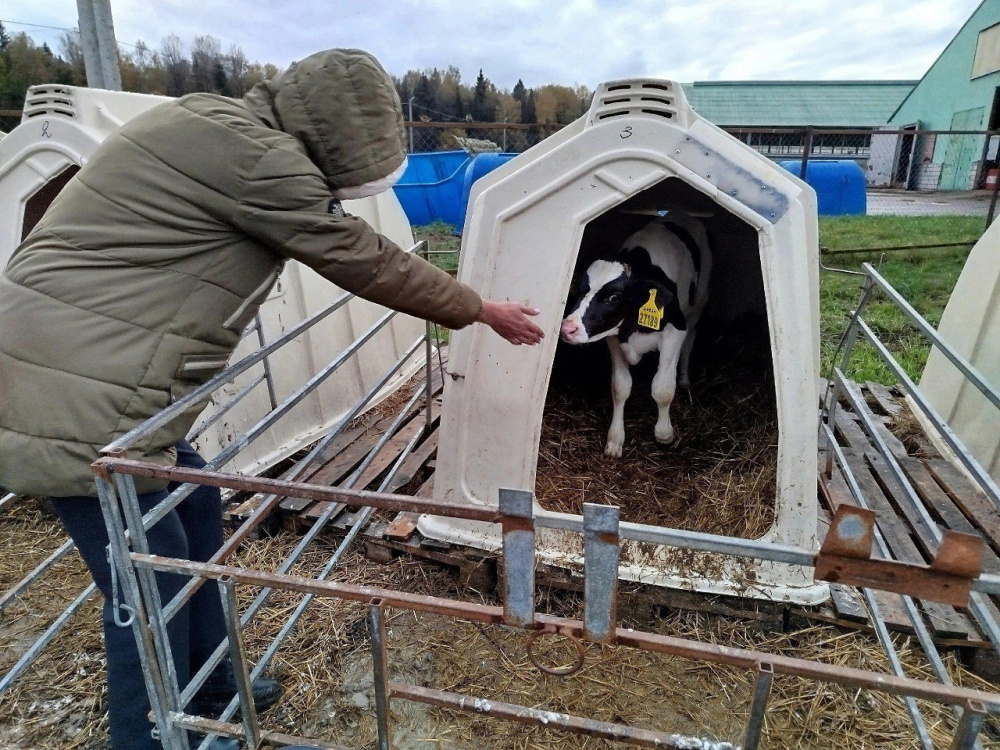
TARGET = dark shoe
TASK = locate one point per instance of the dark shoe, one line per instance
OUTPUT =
(220, 687)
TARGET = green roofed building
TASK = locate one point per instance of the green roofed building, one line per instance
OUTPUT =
(751, 110)
(960, 91)
(823, 104)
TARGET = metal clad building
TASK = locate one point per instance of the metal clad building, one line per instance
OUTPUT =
(835, 104)
(958, 92)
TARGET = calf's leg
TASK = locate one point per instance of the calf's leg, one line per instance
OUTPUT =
(621, 389)
(683, 377)
(665, 381)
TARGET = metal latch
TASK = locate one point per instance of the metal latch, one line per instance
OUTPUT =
(846, 557)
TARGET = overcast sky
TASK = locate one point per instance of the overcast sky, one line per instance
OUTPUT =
(557, 41)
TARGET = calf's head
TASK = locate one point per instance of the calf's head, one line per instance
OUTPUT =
(609, 300)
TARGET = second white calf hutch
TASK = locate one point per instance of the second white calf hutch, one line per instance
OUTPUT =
(537, 221)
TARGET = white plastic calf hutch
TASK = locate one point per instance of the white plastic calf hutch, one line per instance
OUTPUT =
(63, 125)
(639, 153)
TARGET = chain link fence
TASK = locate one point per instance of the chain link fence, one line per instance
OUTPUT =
(495, 136)
(906, 172)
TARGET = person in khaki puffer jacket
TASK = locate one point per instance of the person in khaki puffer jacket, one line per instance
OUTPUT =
(137, 283)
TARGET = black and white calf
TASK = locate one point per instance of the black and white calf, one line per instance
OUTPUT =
(646, 297)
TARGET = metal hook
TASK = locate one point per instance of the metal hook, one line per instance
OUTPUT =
(116, 605)
(576, 666)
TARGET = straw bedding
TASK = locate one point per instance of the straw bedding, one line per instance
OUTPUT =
(325, 667)
(719, 477)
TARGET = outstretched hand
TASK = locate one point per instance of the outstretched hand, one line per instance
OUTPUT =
(510, 320)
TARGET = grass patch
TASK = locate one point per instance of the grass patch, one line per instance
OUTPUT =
(924, 277)
(440, 238)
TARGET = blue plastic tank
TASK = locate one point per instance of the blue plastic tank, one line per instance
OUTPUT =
(431, 187)
(483, 164)
(839, 184)
(437, 186)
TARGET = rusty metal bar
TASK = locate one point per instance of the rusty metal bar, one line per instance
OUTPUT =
(287, 488)
(600, 568)
(736, 546)
(380, 673)
(665, 644)
(516, 508)
(360, 522)
(859, 250)
(225, 729)
(237, 651)
(761, 692)
(272, 500)
(553, 720)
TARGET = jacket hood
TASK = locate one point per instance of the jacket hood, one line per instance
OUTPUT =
(344, 108)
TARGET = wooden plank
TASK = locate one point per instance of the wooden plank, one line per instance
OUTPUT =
(390, 451)
(310, 514)
(836, 492)
(340, 444)
(848, 429)
(976, 506)
(932, 494)
(402, 526)
(901, 502)
(893, 443)
(945, 620)
(334, 471)
(426, 489)
(884, 398)
(414, 462)
(339, 464)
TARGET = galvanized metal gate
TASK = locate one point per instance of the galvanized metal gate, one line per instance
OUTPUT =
(846, 556)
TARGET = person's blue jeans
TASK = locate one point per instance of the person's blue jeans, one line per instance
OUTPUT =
(192, 531)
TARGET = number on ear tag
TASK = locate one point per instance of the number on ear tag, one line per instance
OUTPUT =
(649, 314)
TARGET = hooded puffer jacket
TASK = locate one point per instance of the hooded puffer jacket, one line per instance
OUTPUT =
(135, 286)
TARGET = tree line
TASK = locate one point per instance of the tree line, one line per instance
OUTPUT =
(176, 68)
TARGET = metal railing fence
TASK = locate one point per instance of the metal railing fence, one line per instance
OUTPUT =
(598, 525)
(602, 533)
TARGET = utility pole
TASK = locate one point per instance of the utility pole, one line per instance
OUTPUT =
(100, 50)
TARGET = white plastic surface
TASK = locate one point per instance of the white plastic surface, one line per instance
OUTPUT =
(971, 325)
(522, 236)
(63, 125)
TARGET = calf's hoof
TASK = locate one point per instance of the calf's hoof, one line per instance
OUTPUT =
(665, 437)
(613, 448)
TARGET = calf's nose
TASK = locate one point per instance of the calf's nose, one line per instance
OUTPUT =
(569, 329)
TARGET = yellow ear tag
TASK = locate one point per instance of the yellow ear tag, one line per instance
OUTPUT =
(649, 314)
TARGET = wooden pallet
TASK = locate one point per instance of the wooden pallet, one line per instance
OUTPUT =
(951, 497)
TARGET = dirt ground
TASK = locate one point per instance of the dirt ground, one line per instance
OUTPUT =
(325, 667)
